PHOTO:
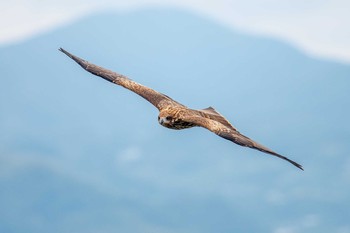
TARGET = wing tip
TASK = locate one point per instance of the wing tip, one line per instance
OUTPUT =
(285, 158)
(297, 165)
(242, 140)
(65, 52)
(78, 60)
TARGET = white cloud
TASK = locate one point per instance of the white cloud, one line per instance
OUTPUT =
(130, 154)
(317, 26)
(22, 19)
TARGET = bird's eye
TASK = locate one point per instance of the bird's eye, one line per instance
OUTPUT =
(158, 118)
(168, 118)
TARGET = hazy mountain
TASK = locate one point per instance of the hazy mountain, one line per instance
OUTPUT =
(79, 154)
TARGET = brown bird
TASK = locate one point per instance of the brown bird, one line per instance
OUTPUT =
(174, 115)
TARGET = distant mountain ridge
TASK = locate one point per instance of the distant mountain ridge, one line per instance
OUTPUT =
(67, 135)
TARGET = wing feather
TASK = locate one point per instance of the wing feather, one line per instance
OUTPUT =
(234, 136)
(159, 100)
(211, 113)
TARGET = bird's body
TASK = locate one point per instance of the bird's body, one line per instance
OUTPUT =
(172, 118)
(174, 115)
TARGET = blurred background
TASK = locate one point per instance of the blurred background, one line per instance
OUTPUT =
(78, 154)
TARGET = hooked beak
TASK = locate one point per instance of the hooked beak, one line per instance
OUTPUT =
(161, 120)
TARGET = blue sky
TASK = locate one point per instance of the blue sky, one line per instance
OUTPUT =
(319, 27)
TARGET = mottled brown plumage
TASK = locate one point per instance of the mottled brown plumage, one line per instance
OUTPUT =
(174, 115)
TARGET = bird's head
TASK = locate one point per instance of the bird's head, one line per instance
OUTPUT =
(165, 120)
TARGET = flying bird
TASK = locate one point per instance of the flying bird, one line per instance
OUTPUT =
(175, 115)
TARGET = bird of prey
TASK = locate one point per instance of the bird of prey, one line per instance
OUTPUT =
(174, 115)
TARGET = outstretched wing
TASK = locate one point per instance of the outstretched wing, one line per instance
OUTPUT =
(159, 100)
(234, 136)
